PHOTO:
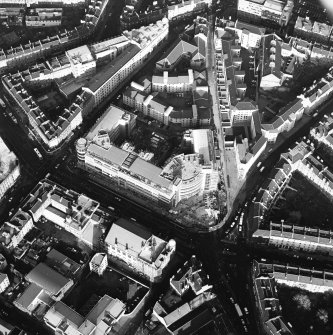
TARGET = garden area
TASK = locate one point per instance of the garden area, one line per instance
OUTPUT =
(111, 283)
(308, 313)
(304, 205)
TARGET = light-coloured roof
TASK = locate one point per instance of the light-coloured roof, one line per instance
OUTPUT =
(113, 155)
(129, 234)
(107, 121)
(80, 54)
(149, 171)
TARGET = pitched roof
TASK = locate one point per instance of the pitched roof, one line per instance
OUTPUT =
(47, 278)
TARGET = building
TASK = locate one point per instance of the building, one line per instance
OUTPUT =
(98, 263)
(137, 16)
(6, 328)
(201, 142)
(284, 121)
(190, 276)
(301, 159)
(43, 17)
(3, 262)
(33, 299)
(74, 212)
(46, 286)
(189, 90)
(143, 42)
(100, 319)
(38, 3)
(277, 63)
(26, 55)
(115, 124)
(10, 169)
(271, 13)
(196, 176)
(312, 31)
(52, 282)
(4, 282)
(183, 177)
(63, 264)
(81, 61)
(287, 236)
(239, 115)
(250, 35)
(306, 103)
(185, 9)
(13, 231)
(126, 169)
(184, 50)
(133, 244)
(187, 305)
(156, 106)
(323, 132)
(268, 301)
(173, 84)
(305, 278)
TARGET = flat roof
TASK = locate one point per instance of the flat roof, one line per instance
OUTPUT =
(201, 143)
(107, 121)
(80, 54)
(139, 166)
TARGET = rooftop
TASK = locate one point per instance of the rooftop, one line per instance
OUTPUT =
(48, 279)
(80, 54)
(105, 73)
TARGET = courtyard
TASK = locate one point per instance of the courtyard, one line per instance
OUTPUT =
(111, 283)
(304, 205)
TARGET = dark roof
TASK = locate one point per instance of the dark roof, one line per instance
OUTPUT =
(110, 69)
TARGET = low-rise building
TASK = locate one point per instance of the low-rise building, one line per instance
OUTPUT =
(183, 9)
(288, 236)
(99, 263)
(173, 84)
(267, 299)
(143, 42)
(187, 303)
(52, 282)
(276, 13)
(312, 31)
(250, 35)
(10, 169)
(136, 16)
(32, 299)
(306, 103)
(76, 213)
(190, 276)
(100, 319)
(43, 17)
(13, 231)
(305, 278)
(133, 244)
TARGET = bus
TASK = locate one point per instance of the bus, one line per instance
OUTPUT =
(2, 103)
(38, 153)
(239, 311)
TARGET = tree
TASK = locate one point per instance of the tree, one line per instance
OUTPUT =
(303, 301)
